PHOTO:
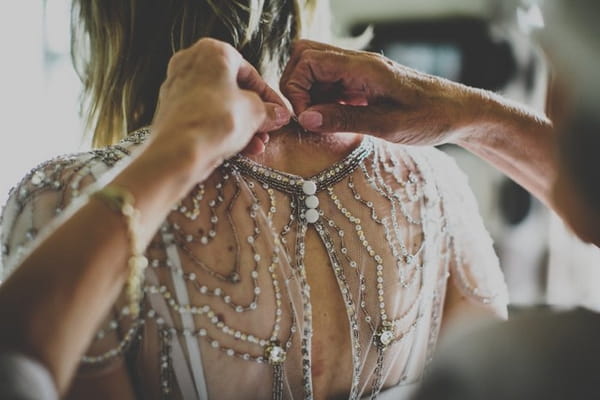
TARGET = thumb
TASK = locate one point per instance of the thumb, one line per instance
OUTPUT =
(374, 120)
(252, 109)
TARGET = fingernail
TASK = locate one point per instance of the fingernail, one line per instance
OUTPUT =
(311, 119)
(281, 115)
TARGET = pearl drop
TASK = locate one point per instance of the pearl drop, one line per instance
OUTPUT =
(309, 187)
(312, 202)
(311, 216)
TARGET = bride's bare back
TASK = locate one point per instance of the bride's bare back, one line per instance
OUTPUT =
(327, 280)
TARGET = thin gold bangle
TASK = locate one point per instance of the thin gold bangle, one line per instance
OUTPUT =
(122, 201)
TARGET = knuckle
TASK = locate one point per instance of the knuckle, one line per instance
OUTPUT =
(228, 122)
(254, 106)
(220, 60)
(205, 41)
(221, 50)
(310, 54)
(214, 47)
(177, 60)
(288, 88)
(208, 43)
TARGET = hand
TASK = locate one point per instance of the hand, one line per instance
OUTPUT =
(337, 90)
(212, 103)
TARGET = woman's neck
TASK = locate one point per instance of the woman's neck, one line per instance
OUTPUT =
(293, 150)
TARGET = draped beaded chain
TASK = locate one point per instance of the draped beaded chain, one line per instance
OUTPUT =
(361, 209)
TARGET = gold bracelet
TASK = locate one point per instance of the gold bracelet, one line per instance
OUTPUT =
(123, 202)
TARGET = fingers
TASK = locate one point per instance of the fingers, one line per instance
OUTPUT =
(231, 90)
(248, 78)
(299, 48)
(255, 147)
(277, 117)
(302, 73)
(355, 76)
(314, 67)
(264, 137)
(278, 114)
(330, 118)
(225, 61)
(250, 114)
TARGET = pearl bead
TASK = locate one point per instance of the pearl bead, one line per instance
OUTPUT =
(311, 216)
(309, 187)
(275, 354)
(312, 202)
(386, 337)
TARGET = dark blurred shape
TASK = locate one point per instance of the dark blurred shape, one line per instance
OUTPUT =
(515, 202)
(461, 49)
(529, 71)
(537, 355)
(579, 149)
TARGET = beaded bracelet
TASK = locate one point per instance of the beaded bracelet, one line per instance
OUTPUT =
(122, 201)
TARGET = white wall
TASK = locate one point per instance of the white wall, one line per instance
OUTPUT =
(348, 12)
(38, 96)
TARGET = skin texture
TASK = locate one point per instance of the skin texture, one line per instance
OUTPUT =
(184, 149)
(349, 92)
(306, 154)
(333, 89)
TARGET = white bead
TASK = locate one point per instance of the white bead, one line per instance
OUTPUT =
(276, 355)
(311, 216)
(36, 180)
(312, 202)
(309, 187)
(386, 337)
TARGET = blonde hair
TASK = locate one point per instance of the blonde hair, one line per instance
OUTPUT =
(121, 48)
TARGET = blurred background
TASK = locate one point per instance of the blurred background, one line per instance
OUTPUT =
(482, 43)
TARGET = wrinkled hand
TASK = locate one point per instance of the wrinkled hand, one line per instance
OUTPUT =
(214, 102)
(337, 90)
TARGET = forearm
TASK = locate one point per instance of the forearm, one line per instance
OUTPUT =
(74, 276)
(517, 141)
(55, 300)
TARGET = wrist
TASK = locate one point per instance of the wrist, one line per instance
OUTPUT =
(492, 117)
(478, 111)
(197, 144)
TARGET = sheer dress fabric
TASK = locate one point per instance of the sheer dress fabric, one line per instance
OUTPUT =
(228, 308)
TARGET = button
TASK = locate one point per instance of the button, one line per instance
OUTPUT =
(312, 202)
(309, 187)
(311, 216)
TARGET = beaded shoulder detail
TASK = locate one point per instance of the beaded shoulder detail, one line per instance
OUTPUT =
(48, 189)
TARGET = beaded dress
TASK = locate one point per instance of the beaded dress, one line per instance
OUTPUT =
(227, 311)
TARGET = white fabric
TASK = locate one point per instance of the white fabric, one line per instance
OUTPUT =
(22, 378)
(193, 349)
